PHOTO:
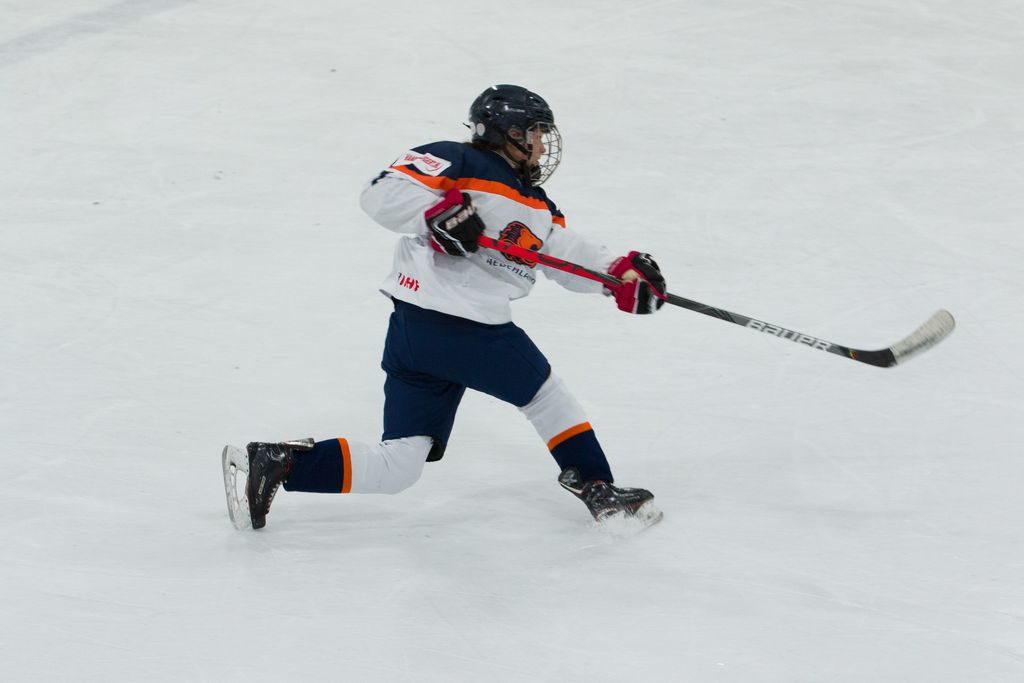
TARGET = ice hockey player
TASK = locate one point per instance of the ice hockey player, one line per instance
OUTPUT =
(452, 328)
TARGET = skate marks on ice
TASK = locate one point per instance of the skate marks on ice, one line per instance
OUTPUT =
(97, 22)
(235, 463)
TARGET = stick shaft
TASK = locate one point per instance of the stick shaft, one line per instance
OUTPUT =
(930, 333)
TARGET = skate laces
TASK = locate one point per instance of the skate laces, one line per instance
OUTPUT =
(270, 496)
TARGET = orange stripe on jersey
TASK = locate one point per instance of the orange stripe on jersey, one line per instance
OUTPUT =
(346, 466)
(478, 185)
(568, 434)
(436, 182)
(492, 187)
(558, 220)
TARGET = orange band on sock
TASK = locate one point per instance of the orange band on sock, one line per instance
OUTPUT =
(346, 467)
(568, 434)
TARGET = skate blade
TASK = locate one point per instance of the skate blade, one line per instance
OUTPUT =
(235, 462)
(622, 524)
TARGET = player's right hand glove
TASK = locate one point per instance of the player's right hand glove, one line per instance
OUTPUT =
(454, 225)
(643, 286)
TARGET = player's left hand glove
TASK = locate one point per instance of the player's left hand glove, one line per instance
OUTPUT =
(643, 286)
(454, 225)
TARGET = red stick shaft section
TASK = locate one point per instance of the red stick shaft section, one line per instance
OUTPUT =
(548, 260)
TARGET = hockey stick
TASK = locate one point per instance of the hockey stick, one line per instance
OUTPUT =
(934, 330)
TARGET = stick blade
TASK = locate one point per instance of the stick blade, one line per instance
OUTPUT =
(934, 330)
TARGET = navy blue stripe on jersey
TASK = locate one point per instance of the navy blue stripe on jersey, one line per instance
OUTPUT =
(469, 163)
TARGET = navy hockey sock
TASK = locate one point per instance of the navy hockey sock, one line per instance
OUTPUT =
(583, 452)
(324, 469)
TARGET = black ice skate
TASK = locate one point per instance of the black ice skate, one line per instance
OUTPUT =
(264, 466)
(606, 501)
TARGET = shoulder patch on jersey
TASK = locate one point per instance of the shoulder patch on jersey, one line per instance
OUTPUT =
(425, 163)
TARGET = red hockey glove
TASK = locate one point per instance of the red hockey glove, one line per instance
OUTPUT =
(454, 225)
(643, 286)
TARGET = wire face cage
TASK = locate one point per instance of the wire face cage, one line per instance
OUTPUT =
(551, 139)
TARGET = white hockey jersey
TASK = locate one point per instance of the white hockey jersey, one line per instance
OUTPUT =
(478, 287)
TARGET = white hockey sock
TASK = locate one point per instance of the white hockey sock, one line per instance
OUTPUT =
(389, 466)
(555, 413)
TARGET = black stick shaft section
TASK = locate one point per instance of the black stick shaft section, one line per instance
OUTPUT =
(934, 330)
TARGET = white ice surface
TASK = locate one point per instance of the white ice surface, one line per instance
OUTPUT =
(184, 265)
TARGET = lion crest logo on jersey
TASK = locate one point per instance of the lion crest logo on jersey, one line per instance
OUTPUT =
(518, 234)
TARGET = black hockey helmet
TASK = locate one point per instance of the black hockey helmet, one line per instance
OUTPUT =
(505, 114)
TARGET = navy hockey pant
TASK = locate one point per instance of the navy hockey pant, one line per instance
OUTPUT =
(431, 358)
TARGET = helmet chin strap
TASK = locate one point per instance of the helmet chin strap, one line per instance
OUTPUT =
(528, 174)
(515, 143)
